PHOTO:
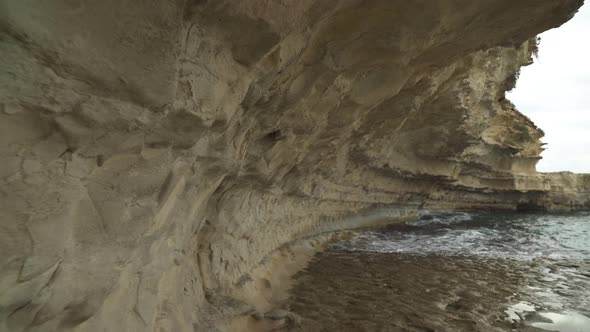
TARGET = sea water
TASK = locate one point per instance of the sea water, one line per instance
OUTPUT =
(453, 272)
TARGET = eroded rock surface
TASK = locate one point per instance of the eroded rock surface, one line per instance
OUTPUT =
(157, 154)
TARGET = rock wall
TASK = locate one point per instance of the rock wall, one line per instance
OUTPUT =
(157, 154)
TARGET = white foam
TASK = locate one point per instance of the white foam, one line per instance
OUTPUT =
(516, 311)
(564, 322)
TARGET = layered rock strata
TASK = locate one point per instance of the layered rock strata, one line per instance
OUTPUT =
(158, 155)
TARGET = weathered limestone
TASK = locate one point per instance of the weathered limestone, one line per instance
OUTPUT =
(158, 155)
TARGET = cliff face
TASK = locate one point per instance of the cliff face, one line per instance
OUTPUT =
(156, 153)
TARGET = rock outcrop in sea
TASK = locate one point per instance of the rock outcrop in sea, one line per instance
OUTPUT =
(157, 157)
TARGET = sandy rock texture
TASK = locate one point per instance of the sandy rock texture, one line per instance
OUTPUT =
(157, 156)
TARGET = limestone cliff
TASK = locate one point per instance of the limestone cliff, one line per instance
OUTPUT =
(155, 154)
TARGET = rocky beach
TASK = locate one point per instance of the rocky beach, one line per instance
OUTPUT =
(172, 165)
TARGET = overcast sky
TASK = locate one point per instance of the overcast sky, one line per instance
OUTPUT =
(555, 93)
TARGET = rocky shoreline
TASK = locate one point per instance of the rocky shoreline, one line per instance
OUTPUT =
(154, 154)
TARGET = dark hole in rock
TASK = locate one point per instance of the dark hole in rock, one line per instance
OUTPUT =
(275, 135)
